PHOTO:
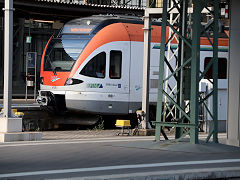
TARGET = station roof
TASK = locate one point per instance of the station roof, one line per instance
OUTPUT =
(66, 10)
(81, 3)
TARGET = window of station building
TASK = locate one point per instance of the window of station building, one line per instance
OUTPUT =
(222, 68)
(96, 66)
(115, 68)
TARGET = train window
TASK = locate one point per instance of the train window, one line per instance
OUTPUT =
(63, 52)
(222, 68)
(115, 64)
(96, 66)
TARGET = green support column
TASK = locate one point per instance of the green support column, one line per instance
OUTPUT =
(195, 63)
(161, 71)
(181, 57)
(184, 98)
(215, 70)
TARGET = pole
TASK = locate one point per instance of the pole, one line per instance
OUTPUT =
(215, 71)
(8, 52)
(146, 69)
(195, 63)
(161, 71)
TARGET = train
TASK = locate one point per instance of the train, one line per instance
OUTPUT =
(93, 65)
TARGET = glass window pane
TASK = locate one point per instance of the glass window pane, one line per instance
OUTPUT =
(62, 52)
(115, 64)
(96, 66)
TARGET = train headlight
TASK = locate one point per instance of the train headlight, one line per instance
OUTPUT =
(72, 81)
(69, 81)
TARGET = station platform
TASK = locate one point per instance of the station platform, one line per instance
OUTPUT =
(23, 104)
(109, 133)
(100, 154)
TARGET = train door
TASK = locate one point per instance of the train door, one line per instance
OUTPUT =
(117, 77)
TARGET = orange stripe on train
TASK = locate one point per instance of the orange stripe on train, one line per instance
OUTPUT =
(126, 32)
(115, 32)
(55, 80)
(111, 33)
(43, 55)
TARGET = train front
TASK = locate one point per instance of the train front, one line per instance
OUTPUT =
(59, 56)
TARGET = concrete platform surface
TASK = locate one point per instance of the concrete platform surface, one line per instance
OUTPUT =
(103, 155)
(22, 104)
(20, 136)
(61, 135)
(185, 146)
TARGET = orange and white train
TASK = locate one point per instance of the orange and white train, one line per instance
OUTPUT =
(94, 65)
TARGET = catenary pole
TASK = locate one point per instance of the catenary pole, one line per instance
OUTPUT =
(8, 53)
(146, 69)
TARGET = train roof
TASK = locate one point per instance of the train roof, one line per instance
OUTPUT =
(96, 19)
(93, 24)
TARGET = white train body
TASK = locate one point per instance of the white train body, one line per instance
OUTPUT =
(106, 76)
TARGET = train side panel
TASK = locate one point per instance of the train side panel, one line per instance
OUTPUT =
(106, 95)
(136, 75)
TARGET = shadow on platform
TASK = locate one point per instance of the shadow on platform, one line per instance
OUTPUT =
(184, 146)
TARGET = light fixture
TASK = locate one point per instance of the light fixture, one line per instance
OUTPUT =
(42, 21)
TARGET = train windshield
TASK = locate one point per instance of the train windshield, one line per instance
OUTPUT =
(63, 52)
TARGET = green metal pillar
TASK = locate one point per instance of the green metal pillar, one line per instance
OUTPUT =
(181, 57)
(186, 74)
(161, 72)
(215, 70)
(214, 62)
(195, 64)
